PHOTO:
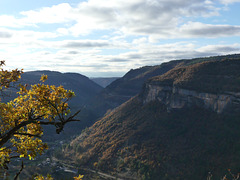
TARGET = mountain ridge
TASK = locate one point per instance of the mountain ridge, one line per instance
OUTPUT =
(147, 141)
(122, 89)
(81, 85)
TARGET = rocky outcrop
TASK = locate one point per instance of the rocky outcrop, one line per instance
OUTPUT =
(179, 98)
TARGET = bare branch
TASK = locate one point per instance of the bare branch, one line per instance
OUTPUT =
(60, 125)
(19, 172)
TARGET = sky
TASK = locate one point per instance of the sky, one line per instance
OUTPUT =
(107, 38)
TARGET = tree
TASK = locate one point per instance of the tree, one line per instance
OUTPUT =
(21, 119)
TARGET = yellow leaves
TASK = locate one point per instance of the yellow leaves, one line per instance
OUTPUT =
(30, 157)
(49, 177)
(40, 177)
(29, 146)
(34, 105)
(44, 78)
(79, 177)
(44, 100)
(21, 155)
(7, 77)
(23, 89)
(4, 155)
(71, 94)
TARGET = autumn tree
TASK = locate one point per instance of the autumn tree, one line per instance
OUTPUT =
(22, 118)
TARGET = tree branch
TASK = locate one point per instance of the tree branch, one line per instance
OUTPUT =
(19, 172)
(10, 133)
(59, 125)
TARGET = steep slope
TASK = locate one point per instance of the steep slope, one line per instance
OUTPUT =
(126, 87)
(213, 85)
(132, 82)
(149, 138)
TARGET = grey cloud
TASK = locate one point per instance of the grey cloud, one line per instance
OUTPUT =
(160, 55)
(102, 13)
(134, 56)
(86, 44)
(163, 17)
(226, 49)
(118, 60)
(64, 58)
(5, 35)
(220, 49)
(72, 52)
(214, 31)
(144, 17)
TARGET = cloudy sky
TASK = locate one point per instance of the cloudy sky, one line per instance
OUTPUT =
(110, 37)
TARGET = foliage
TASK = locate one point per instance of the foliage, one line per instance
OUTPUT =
(49, 177)
(21, 119)
(229, 176)
(208, 76)
(131, 83)
(41, 177)
(79, 177)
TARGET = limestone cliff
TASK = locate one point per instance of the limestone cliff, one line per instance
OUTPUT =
(178, 98)
(212, 89)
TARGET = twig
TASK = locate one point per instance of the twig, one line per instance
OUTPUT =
(19, 172)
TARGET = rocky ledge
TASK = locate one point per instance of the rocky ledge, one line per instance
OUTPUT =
(179, 98)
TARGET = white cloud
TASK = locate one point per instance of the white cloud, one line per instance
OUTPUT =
(131, 17)
(159, 18)
(142, 40)
(54, 39)
(11, 21)
(92, 60)
(60, 13)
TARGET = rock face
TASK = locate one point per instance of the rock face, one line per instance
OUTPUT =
(210, 85)
(178, 98)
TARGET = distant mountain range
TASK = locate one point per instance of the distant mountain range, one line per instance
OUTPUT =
(83, 87)
(182, 122)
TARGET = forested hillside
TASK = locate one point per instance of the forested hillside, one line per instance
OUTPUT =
(148, 139)
(132, 83)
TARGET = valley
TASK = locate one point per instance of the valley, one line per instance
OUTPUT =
(177, 120)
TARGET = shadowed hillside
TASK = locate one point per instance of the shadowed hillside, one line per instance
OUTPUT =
(132, 82)
(124, 88)
(84, 89)
(172, 130)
